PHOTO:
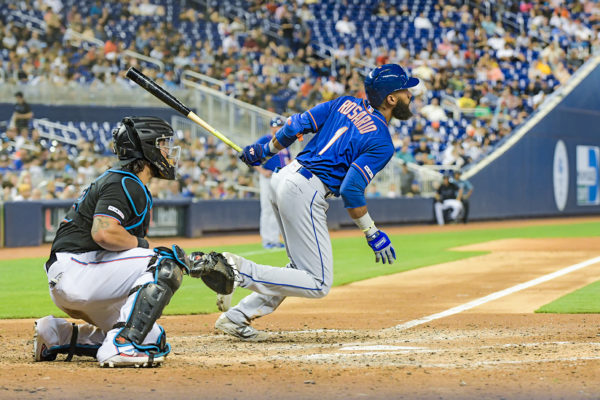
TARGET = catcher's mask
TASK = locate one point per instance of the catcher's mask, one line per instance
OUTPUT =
(147, 138)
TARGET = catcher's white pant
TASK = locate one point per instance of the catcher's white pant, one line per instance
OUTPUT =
(454, 204)
(269, 228)
(95, 286)
(300, 207)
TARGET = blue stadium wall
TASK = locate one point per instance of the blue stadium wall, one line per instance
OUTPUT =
(86, 113)
(553, 170)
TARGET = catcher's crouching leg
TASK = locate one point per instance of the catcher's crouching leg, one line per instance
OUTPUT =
(149, 303)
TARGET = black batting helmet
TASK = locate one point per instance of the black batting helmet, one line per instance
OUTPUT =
(150, 139)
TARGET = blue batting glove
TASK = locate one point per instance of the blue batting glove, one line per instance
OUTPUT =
(382, 246)
(255, 154)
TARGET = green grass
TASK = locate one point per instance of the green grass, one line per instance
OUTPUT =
(583, 301)
(24, 291)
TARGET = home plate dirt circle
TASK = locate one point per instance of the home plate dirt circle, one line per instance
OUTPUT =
(347, 346)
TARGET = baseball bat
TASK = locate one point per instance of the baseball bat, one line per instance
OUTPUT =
(154, 89)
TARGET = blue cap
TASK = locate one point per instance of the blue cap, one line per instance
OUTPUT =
(277, 121)
(387, 79)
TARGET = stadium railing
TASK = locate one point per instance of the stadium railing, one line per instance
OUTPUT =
(205, 78)
(231, 116)
(56, 131)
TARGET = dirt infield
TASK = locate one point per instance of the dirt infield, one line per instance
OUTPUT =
(360, 342)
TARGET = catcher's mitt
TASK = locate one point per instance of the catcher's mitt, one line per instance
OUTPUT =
(214, 270)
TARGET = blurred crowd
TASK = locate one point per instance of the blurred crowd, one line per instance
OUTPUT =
(35, 170)
(479, 82)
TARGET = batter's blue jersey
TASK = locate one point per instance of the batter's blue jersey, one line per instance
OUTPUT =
(349, 134)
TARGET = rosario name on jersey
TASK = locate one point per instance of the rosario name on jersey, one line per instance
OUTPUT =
(350, 134)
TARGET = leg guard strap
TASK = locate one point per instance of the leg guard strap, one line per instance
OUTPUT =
(73, 343)
(73, 349)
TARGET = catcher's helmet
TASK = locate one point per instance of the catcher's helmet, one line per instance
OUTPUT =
(147, 138)
(277, 121)
(386, 79)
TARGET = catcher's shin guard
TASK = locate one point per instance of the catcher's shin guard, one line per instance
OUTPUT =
(151, 300)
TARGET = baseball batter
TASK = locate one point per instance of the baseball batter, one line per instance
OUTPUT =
(269, 228)
(100, 267)
(352, 143)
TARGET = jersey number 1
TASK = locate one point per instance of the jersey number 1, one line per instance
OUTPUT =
(335, 137)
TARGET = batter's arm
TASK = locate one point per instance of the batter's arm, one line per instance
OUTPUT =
(110, 234)
(357, 212)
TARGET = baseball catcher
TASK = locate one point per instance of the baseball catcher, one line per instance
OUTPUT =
(101, 269)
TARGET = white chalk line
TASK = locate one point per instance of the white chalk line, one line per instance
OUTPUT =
(376, 351)
(510, 362)
(497, 295)
(342, 357)
(380, 347)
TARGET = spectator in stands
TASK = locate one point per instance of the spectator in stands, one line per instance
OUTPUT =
(406, 154)
(373, 191)
(422, 153)
(145, 8)
(5, 164)
(34, 43)
(433, 111)
(54, 26)
(467, 101)
(482, 110)
(422, 22)
(418, 132)
(553, 53)
(23, 192)
(488, 25)
(434, 134)
(22, 115)
(345, 27)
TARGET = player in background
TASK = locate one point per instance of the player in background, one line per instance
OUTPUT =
(467, 190)
(101, 269)
(447, 197)
(269, 229)
(352, 143)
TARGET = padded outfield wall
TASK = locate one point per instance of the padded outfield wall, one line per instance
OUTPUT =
(549, 167)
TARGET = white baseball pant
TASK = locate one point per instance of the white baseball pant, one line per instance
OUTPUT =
(300, 207)
(454, 204)
(95, 287)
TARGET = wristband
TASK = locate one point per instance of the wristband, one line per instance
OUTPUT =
(143, 243)
(266, 150)
(272, 149)
(366, 224)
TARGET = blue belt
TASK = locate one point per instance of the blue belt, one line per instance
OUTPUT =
(305, 173)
